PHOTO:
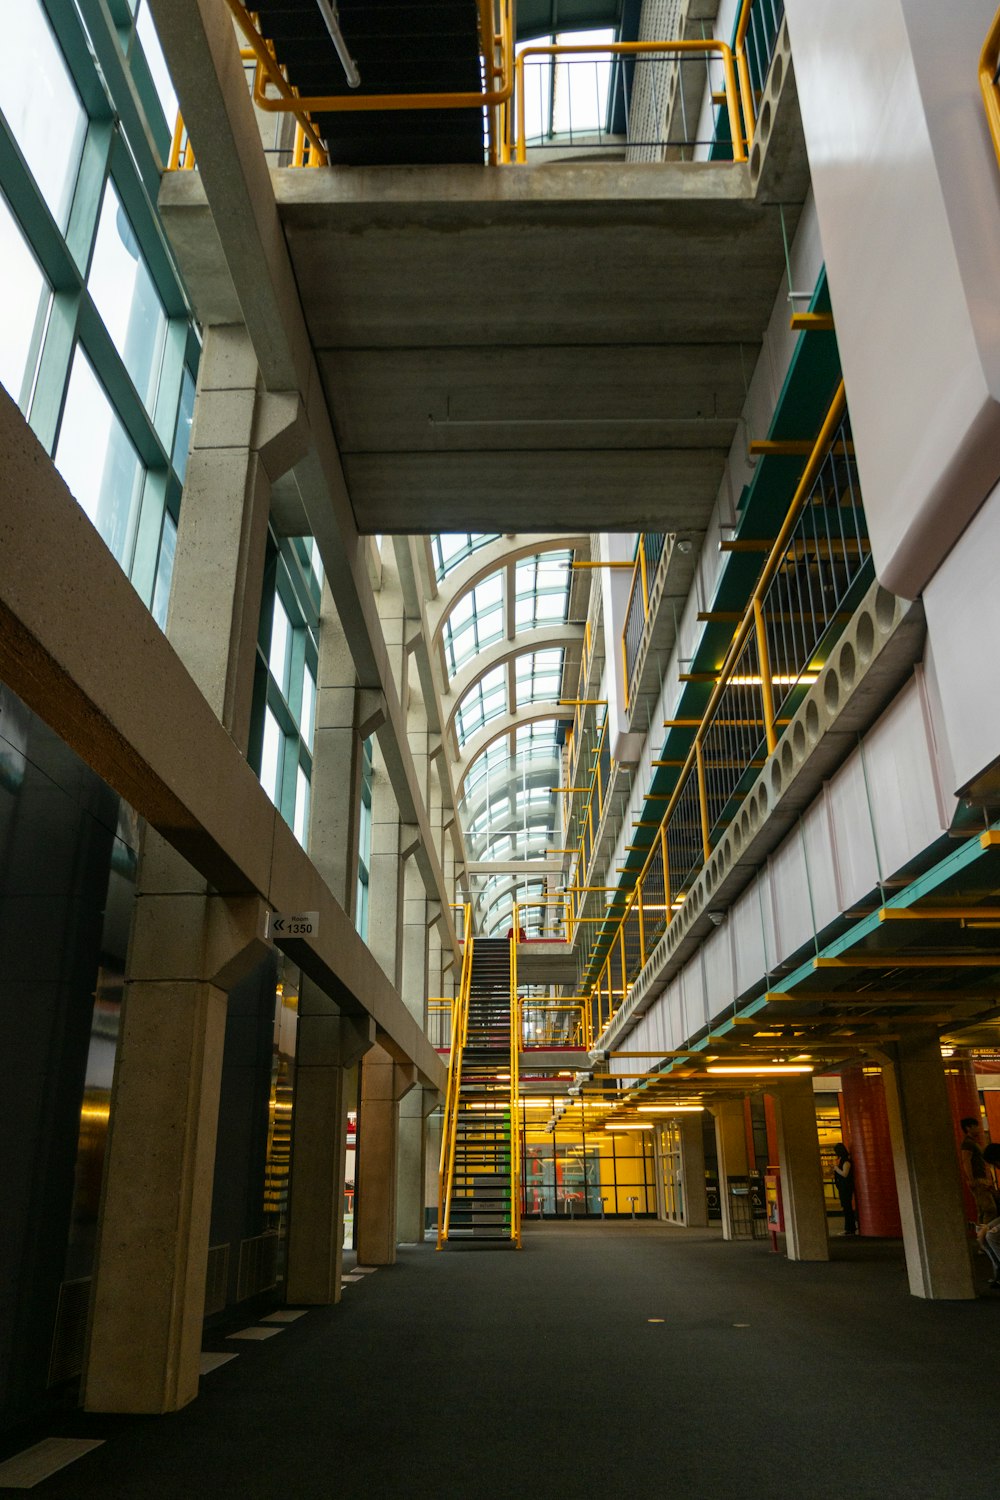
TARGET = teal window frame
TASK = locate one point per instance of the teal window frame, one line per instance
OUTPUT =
(126, 142)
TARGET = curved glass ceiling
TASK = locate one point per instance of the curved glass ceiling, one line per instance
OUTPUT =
(537, 679)
(449, 548)
(478, 617)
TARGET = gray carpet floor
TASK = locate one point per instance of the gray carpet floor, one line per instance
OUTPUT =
(602, 1360)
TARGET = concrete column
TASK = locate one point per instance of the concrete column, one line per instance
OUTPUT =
(731, 1147)
(927, 1174)
(385, 876)
(221, 540)
(693, 1170)
(384, 1082)
(413, 1165)
(327, 1045)
(801, 1172)
(188, 949)
(335, 800)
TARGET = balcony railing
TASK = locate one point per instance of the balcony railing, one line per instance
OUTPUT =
(816, 570)
(646, 82)
(648, 552)
(612, 66)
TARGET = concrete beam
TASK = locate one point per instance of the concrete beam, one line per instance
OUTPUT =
(199, 45)
(85, 654)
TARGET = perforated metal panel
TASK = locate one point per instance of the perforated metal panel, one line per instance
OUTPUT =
(70, 1335)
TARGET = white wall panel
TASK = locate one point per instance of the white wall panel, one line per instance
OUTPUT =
(854, 840)
(789, 880)
(908, 195)
(900, 770)
(821, 863)
(748, 939)
(719, 985)
(962, 603)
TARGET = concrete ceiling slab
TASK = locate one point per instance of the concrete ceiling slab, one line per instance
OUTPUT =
(561, 347)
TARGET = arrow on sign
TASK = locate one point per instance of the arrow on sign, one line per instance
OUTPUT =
(293, 924)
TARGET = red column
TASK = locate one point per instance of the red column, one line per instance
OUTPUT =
(960, 1076)
(871, 1149)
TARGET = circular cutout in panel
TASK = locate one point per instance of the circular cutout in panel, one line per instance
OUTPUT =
(798, 739)
(831, 691)
(847, 666)
(812, 722)
(764, 124)
(864, 638)
(885, 609)
(755, 162)
(787, 758)
(777, 73)
(776, 777)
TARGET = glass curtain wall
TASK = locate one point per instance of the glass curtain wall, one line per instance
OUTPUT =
(97, 345)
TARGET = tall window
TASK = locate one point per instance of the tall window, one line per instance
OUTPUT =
(364, 841)
(281, 742)
(97, 343)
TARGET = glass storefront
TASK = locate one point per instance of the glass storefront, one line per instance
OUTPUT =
(578, 1168)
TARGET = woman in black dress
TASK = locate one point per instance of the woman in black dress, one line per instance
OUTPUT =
(843, 1181)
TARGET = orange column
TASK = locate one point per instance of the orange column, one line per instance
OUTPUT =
(871, 1149)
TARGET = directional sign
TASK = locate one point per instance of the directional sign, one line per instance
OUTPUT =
(299, 924)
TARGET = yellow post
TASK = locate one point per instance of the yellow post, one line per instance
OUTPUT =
(642, 922)
(767, 696)
(703, 802)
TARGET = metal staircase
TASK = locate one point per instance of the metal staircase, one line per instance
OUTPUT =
(401, 47)
(479, 1196)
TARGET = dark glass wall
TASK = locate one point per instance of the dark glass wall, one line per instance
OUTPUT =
(58, 827)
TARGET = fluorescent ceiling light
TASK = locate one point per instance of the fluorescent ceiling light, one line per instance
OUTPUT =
(759, 1068)
(670, 1109)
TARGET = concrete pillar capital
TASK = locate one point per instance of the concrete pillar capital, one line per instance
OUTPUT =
(372, 711)
(280, 431)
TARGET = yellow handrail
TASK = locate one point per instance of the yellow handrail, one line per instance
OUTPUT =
(631, 49)
(693, 766)
(268, 68)
(449, 1127)
(497, 52)
(743, 69)
(989, 65)
(515, 1093)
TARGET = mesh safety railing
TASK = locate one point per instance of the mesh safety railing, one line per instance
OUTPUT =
(815, 574)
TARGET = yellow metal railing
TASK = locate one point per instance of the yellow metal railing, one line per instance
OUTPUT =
(675, 49)
(449, 1129)
(496, 40)
(515, 1092)
(989, 81)
(502, 96)
(822, 534)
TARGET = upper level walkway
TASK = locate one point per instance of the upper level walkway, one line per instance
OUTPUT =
(612, 1360)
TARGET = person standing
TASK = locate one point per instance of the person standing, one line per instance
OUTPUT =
(843, 1181)
(977, 1173)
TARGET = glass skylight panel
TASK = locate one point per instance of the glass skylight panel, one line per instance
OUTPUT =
(485, 700)
(539, 676)
(451, 548)
(476, 621)
(542, 588)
